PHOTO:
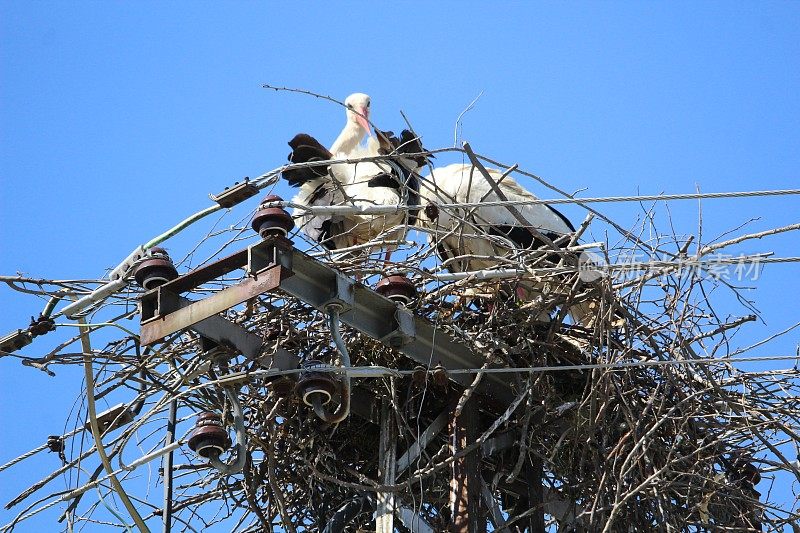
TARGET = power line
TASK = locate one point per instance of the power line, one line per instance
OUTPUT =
(388, 209)
(629, 364)
(383, 371)
(656, 197)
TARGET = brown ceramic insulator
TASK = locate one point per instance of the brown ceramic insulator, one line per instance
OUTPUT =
(156, 270)
(209, 437)
(397, 288)
(41, 325)
(419, 376)
(316, 384)
(270, 221)
(440, 376)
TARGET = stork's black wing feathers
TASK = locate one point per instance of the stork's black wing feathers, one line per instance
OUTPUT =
(384, 180)
(410, 144)
(387, 142)
(522, 238)
(326, 235)
(304, 139)
(306, 149)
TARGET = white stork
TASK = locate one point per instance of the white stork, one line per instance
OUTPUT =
(356, 127)
(317, 185)
(356, 184)
(478, 237)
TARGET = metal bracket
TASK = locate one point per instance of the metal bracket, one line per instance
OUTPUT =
(113, 418)
(14, 341)
(317, 284)
(274, 264)
(268, 253)
(236, 194)
(404, 332)
(165, 312)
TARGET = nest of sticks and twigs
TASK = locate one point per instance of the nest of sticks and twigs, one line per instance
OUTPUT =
(626, 421)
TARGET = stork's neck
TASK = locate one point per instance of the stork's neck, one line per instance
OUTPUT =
(350, 137)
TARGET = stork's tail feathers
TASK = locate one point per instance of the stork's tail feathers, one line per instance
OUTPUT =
(306, 149)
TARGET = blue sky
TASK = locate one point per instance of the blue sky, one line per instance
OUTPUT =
(117, 119)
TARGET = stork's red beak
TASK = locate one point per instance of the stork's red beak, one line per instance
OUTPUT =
(362, 120)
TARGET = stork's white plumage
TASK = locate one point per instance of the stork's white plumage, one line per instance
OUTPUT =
(478, 238)
(375, 183)
(319, 187)
(359, 184)
(356, 127)
(485, 232)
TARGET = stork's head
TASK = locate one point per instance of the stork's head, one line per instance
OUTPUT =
(358, 110)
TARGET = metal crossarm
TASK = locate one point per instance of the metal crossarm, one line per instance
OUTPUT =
(275, 264)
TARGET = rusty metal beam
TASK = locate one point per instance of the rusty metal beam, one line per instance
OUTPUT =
(195, 278)
(172, 316)
(465, 484)
(215, 327)
(171, 313)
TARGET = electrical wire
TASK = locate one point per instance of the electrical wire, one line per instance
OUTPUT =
(391, 209)
(89, 377)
